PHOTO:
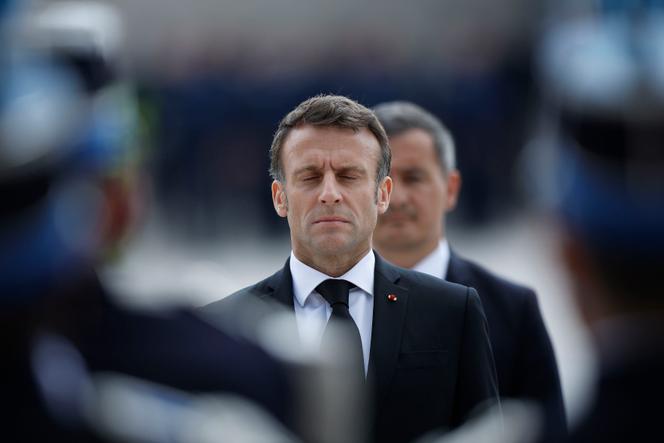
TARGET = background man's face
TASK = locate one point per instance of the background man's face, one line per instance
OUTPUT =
(330, 196)
(420, 197)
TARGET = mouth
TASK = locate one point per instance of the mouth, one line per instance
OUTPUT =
(331, 220)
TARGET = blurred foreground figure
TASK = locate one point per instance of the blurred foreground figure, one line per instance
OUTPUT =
(604, 81)
(412, 234)
(76, 366)
(613, 213)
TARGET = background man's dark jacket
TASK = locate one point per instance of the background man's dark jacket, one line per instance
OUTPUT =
(525, 360)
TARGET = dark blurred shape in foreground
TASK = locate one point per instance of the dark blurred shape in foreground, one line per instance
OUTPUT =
(77, 366)
(604, 79)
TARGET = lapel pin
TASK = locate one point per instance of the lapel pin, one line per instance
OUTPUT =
(392, 297)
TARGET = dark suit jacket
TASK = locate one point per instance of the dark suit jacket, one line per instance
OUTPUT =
(525, 361)
(430, 362)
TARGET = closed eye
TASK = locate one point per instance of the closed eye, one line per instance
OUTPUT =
(414, 177)
(310, 177)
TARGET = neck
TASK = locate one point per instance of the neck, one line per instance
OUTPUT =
(332, 265)
(407, 257)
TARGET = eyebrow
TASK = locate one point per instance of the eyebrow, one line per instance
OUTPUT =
(353, 169)
(305, 169)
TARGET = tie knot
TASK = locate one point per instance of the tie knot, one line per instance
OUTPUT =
(335, 291)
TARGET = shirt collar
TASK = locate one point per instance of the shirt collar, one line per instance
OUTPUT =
(437, 262)
(306, 278)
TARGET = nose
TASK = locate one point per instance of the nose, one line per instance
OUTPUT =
(330, 193)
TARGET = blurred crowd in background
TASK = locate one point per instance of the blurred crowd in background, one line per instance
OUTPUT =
(219, 87)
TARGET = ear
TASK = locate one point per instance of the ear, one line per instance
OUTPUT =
(279, 199)
(453, 189)
(383, 197)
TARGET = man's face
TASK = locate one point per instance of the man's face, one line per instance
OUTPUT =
(330, 196)
(421, 197)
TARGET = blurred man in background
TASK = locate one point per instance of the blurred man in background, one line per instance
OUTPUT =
(412, 234)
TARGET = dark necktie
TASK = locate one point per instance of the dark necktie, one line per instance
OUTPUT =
(335, 292)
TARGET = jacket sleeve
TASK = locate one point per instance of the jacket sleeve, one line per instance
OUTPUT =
(477, 386)
(539, 378)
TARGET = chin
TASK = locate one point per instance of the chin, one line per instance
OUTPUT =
(401, 242)
(331, 244)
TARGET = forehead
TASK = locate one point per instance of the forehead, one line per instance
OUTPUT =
(413, 148)
(320, 144)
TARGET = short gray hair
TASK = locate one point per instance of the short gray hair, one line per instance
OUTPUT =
(330, 110)
(400, 116)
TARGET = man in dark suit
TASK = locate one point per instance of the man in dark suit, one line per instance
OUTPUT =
(421, 342)
(412, 234)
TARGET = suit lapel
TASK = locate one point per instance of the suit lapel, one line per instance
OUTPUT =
(388, 323)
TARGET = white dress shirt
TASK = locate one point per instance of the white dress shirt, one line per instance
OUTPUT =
(312, 311)
(437, 262)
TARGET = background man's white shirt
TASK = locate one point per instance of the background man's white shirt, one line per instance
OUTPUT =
(437, 262)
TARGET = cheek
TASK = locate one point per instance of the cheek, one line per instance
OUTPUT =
(437, 196)
(369, 213)
(426, 206)
(421, 200)
(297, 204)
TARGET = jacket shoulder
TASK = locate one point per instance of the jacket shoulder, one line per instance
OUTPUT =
(426, 281)
(485, 280)
(509, 306)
